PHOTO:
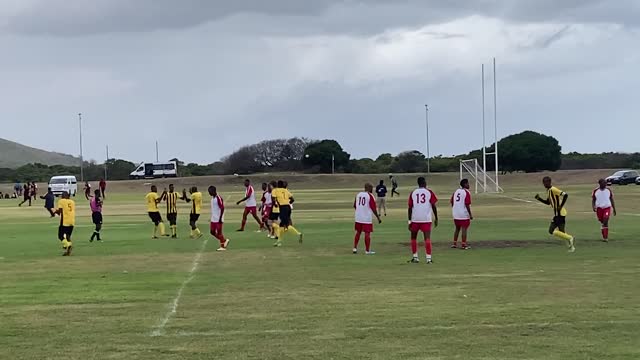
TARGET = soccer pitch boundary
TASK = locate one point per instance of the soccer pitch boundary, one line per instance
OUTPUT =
(541, 325)
(158, 330)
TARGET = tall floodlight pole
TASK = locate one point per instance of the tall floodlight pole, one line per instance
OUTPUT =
(105, 163)
(484, 138)
(333, 164)
(426, 108)
(81, 157)
(495, 121)
(157, 152)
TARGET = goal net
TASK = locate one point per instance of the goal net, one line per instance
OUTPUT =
(472, 170)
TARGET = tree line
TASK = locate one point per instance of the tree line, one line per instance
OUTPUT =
(524, 152)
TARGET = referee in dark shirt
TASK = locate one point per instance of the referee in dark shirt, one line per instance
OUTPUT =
(49, 199)
(381, 191)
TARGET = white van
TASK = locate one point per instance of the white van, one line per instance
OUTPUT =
(155, 170)
(60, 184)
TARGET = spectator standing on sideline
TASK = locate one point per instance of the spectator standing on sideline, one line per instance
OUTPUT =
(381, 191)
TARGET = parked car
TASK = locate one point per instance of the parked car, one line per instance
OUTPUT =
(60, 184)
(623, 177)
(638, 180)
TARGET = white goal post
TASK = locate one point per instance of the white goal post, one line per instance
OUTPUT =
(471, 169)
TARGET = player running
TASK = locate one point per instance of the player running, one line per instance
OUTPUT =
(153, 199)
(49, 199)
(422, 214)
(251, 206)
(96, 215)
(217, 218)
(365, 207)
(67, 211)
(557, 198)
(274, 215)
(87, 190)
(461, 208)
(603, 203)
(196, 208)
(283, 199)
(381, 191)
(171, 198)
(266, 206)
(394, 186)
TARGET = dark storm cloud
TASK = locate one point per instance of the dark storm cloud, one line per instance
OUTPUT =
(81, 17)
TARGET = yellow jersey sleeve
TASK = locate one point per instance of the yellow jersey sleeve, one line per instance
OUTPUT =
(556, 192)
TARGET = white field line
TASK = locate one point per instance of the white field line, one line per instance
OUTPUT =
(517, 199)
(158, 330)
(413, 328)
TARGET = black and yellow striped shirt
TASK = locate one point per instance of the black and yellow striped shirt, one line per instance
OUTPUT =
(172, 202)
(196, 203)
(555, 201)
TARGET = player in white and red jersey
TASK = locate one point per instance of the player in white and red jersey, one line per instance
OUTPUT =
(266, 205)
(422, 214)
(217, 218)
(603, 204)
(250, 205)
(365, 208)
(461, 208)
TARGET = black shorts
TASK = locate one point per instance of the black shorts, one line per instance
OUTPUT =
(96, 217)
(285, 215)
(172, 218)
(194, 217)
(559, 221)
(274, 216)
(65, 231)
(155, 217)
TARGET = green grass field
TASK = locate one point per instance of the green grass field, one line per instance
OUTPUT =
(517, 295)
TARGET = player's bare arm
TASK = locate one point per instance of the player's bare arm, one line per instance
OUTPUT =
(593, 203)
(546, 201)
(613, 205)
(410, 214)
(564, 200)
(435, 215)
(242, 200)
(469, 210)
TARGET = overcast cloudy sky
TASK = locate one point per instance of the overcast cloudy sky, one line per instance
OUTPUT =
(206, 76)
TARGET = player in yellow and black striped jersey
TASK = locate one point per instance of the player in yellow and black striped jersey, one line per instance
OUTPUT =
(171, 198)
(557, 199)
(196, 208)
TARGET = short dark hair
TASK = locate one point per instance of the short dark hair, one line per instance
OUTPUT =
(546, 178)
(422, 181)
(281, 183)
(463, 182)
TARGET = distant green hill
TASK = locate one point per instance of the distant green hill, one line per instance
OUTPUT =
(13, 155)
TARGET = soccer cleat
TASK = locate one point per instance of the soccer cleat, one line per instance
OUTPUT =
(92, 237)
(154, 238)
(465, 247)
(370, 252)
(454, 246)
(199, 236)
(226, 244)
(277, 244)
(414, 260)
(240, 230)
(572, 247)
(174, 236)
(429, 261)
(221, 249)
(300, 238)
(355, 251)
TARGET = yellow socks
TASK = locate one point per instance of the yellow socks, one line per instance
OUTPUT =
(295, 231)
(161, 227)
(561, 235)
(276, 230)
(197, 232)
(174, 230)
(65, 244)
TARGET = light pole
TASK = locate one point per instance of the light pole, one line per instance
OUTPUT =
(333, 164)
(81, 157)
(426, 108)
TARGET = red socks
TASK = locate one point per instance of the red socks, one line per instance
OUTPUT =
(367, 241)
(605, 233)
(414, 246)
(464, 240)
(427, 245)
(356, 240)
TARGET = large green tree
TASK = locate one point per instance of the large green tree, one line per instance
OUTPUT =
(409, 162)
(318, 157)
(529, 151)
